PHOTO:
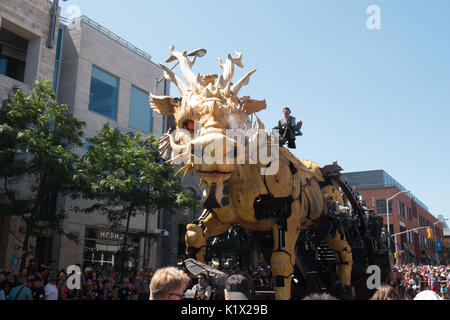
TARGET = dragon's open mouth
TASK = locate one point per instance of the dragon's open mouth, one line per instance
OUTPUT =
(214, 176)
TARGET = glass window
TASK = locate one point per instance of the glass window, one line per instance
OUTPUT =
(103, 93)
(381, 206)
(13, 55)
(141, 115)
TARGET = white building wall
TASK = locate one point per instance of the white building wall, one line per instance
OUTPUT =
(84, 48)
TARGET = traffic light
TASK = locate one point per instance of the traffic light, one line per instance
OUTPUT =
(429, 233)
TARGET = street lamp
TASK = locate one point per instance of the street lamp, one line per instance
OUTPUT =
(53, 16)
(387, 211)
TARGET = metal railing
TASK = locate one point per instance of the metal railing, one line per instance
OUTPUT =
(107, 33)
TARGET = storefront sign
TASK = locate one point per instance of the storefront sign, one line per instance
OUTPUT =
(110, 235)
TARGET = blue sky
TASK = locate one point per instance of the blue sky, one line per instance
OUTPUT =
(370, 99)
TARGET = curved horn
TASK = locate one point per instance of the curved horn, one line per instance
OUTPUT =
(243, 82)
(228, 69)
(171, 76)
(194, 81)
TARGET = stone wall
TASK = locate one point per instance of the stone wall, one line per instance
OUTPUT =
(29, 19)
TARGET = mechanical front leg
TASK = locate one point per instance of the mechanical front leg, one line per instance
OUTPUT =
(199, 231)
(285, 235)
(343, 256)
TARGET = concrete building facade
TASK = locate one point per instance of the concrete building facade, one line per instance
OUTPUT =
(106, 80)
(24, 57)
(406, 214)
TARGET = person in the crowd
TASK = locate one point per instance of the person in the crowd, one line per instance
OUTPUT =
(125, 290)
(168, 284)
(3, 295)
(105, 292)
(202, 289)
(21, 290)
(51, 290)
(32, 268)
(37, 290)
(145, 287)
(386, 292)
(237, 287)
(444, 290)
(53, 268)
(94, 294)
(433, 282)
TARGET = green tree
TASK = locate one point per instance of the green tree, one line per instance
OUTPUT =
(123, 174)
(37, 135)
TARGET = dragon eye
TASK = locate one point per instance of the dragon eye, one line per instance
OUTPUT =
(189, 125)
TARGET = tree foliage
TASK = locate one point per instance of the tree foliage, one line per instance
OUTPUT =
(124, 176)
(37, 137)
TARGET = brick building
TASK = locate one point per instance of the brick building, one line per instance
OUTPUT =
(406, 214)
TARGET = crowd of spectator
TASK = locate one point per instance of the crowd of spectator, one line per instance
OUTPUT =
(104, 283)
(47, 282)
(260, 277)
(419, 278)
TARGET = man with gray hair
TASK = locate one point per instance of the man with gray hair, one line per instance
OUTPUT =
(168, 284)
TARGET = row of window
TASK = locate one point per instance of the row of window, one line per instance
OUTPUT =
(423, 222)
(404, 210)
(103, 99)
(426, 243)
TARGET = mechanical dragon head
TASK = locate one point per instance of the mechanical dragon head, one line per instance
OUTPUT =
(209, 109)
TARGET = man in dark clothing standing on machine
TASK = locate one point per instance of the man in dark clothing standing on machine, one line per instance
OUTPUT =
(287, 127)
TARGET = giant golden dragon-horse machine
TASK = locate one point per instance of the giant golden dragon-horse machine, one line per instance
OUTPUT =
(281, 200)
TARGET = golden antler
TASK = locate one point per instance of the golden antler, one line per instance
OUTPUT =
(243, 82)
(228, 69)
(194, 81)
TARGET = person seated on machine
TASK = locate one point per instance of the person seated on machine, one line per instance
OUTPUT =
(332, 207)
(289, 129)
